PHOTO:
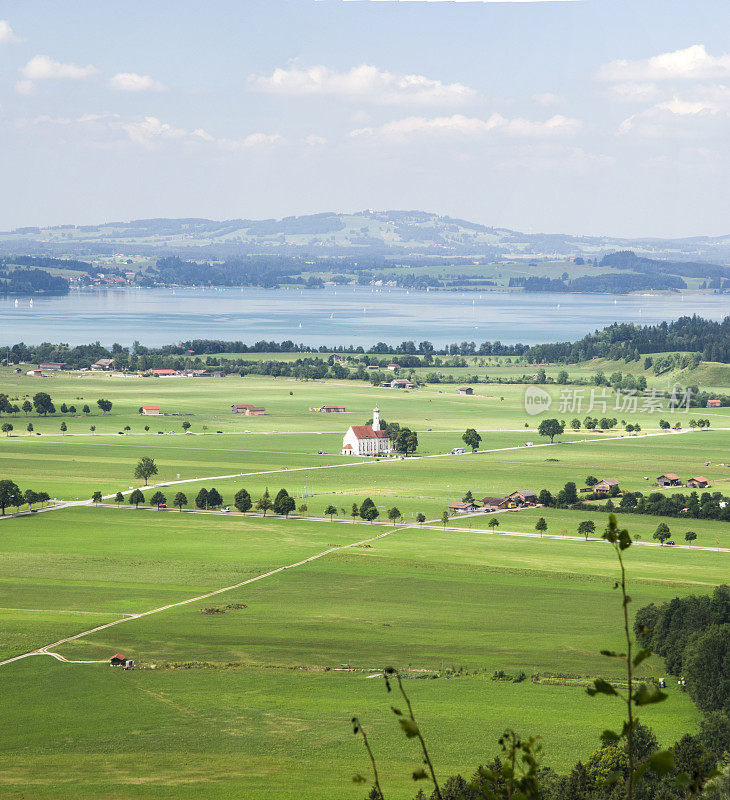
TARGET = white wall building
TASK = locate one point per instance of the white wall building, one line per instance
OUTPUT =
(366, 440)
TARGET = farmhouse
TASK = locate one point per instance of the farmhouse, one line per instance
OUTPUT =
(401, 383)
(698, 483)
(465, 390)
(54, 366)
(522, 498)
(366, 440)
(248, 409)
(670, 479)
(34, 373)
(605, 486)
(117, 660)
(393, 367)
(103, 364)
(164, 373)
(330, 409)
(714, 403)
(151, 411)
(463, 508)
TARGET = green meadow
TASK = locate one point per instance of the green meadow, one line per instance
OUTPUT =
(263, 700)
(253, 687)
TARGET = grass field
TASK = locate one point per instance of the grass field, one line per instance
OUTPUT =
(264, 710)
(263, 702)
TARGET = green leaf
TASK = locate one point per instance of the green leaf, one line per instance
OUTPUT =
(644, 696)
(661, 762)
(609, 736)
(358, 779)
(419, 774)
(603, 687)
(396, 711)
(612, 777)
(409, 728)
(642, 655)
(682, 780)
(612, 654)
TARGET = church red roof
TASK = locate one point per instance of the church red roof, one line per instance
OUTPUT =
(367, 432)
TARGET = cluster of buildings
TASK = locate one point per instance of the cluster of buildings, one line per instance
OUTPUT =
(187, 373)
(522, 498)
(248, 409)
(670, 479)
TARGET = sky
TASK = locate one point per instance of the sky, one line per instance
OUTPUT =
(574, 116)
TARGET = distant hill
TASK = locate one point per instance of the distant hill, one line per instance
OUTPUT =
(401, 234)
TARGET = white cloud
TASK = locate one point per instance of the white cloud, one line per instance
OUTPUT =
(691, 62)
(315, 141)
(132, 82)
(7, 35)
(24, 87)
(460, 125)
(547, 98)
(150, 130)
(364, 82)
(634, 92)
(684, 108)
(262, 139)
(43, 67)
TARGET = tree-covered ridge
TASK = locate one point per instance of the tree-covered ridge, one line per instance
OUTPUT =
(626, 340)
(628, 260)
(607, 283)
(31, 281)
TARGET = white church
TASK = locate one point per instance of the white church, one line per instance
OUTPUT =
(366, 440)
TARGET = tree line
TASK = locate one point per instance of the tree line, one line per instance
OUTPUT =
(11, 496)
(43, 405)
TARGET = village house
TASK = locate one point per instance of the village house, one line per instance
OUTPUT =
(522, 498)
(698, 483)
(164, 373)
(605, 486)
(34, 373)
(401, 383)
(151, 411)
(248, 409)
(330, 409)
(465, 390)
(103, 364)
(463, 508)
(393, 367)
(714, 403)
(670, 479)
(54, 366)
(366, 440)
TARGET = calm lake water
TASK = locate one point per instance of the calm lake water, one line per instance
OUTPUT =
(331, 316)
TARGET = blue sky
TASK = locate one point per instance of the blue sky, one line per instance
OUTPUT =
(584, 116)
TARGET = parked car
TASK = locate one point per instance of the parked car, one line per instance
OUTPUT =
(671, 542)
(225, 510)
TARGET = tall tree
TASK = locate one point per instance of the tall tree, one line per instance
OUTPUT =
(42, 403)
(118, 498)
(471, 439)
(104, 405)
(330, 512)
(541, 526)
(201, 500)
(550, 428)
(214, 498)
(662, 533)
(145, 468)
(158, 499)
(393, 514)
(96, 497)
(264, 502)
(587, 528)
(180, 500)
(242, 501)
(135, 498)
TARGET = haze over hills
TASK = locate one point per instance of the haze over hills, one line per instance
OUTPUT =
(376, 233)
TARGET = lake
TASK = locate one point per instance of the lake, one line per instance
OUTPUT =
(332, 316)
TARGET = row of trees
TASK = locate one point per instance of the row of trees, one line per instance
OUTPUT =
(11, 496)
(42, 404)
